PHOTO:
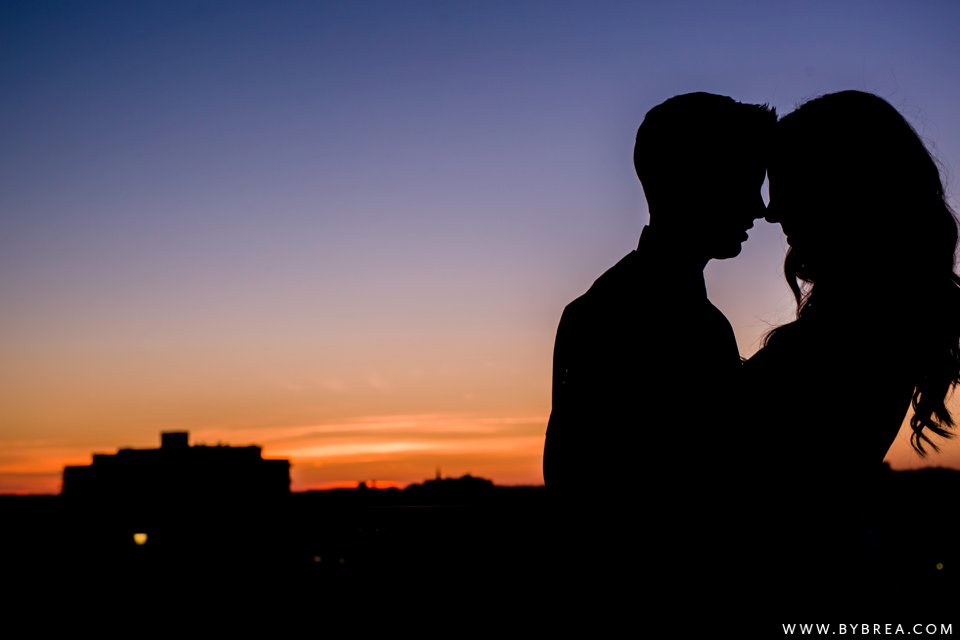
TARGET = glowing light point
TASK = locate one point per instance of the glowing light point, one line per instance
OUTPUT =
(939, 566)
(140, 539)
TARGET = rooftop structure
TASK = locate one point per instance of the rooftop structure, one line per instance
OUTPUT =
(179, 471)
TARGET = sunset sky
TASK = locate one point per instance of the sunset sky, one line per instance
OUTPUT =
(346, 230)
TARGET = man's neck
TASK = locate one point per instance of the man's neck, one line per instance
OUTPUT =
(673, 245)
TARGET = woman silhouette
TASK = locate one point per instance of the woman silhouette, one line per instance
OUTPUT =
(871, 264)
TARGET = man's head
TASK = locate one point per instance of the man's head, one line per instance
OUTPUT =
(701, 159)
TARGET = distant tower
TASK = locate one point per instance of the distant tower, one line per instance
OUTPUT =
(439, 475)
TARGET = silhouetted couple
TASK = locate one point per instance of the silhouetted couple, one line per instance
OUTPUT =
(677, 463)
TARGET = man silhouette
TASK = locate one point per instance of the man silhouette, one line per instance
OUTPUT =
(644, 364)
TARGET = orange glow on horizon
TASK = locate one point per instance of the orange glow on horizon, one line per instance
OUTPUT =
(401, 449)
(371, 484)
(393, 450)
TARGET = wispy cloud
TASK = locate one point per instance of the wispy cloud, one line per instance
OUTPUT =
(403, 447)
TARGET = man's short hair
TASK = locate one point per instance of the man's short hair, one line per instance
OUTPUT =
(699, 134)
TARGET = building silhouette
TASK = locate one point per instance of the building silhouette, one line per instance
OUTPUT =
(179, 471)
(178, 510)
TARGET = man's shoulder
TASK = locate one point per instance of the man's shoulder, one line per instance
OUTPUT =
(615, 288)
(612, 282)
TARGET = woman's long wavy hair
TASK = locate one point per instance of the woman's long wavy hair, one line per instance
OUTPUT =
(875, 193)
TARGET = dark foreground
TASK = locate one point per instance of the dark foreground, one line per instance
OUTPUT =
(457, 541)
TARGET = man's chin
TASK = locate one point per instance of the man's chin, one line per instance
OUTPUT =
(731, 251)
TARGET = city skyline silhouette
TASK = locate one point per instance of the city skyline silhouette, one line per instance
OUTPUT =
(340, 545)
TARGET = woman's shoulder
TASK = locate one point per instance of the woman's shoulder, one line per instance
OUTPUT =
(786, 336)
(793, 348)
(831, 348)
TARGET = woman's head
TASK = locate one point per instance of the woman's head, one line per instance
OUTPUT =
(855, 188)
(862, 204)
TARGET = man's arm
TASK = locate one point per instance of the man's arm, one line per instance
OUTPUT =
(557, 467)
